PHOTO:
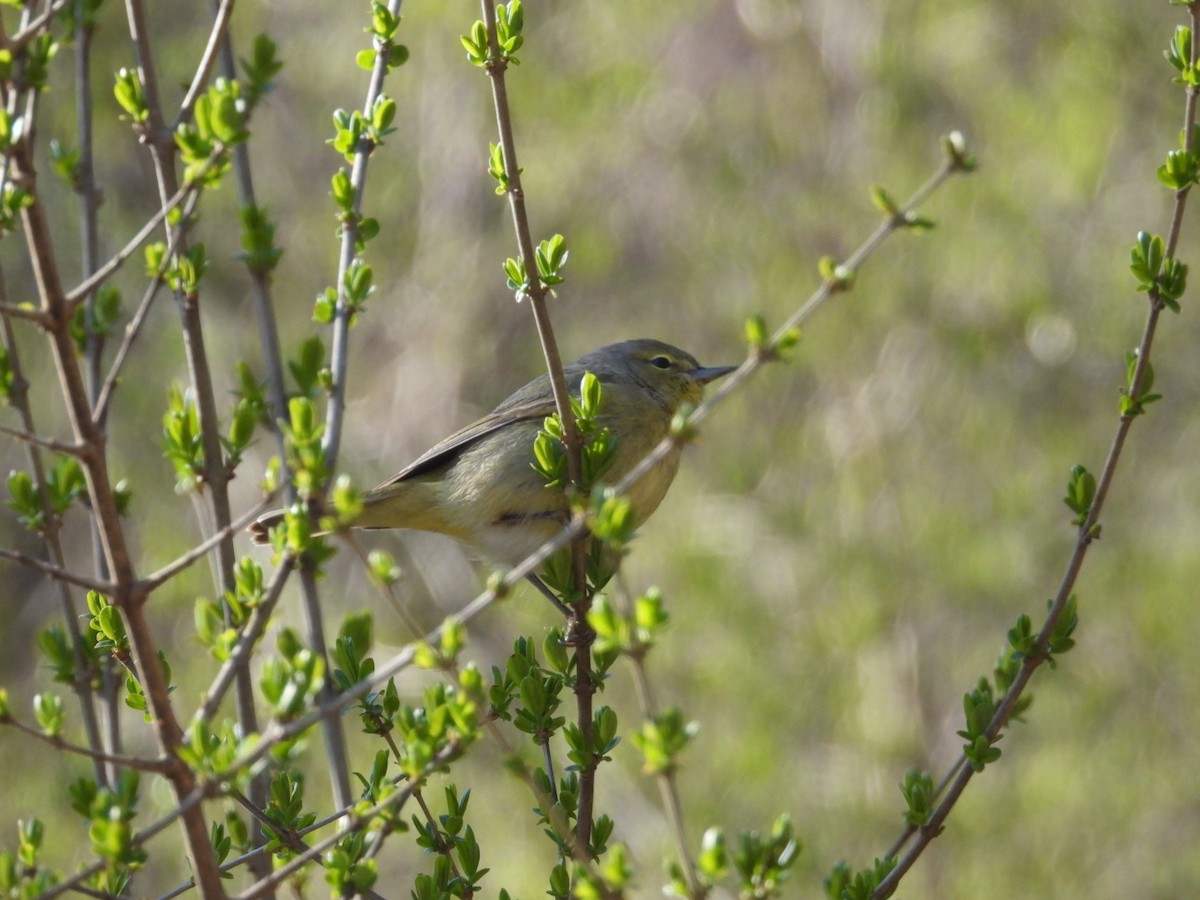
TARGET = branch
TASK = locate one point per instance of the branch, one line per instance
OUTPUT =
(132, 330)
(102, 274)
(335, 416)
(19, 398)
(667, 783)
(215, 36)
(339, 354)
(140, 763)
(52, 444)
(58, 574)
(157, 579)
(28, 313)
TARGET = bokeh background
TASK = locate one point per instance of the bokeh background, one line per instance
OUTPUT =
(846, 546)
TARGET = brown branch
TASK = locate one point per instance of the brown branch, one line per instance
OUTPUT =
(19, 398)
(27, 313)
(52, 444)
(216, 36)
(57, 573)
(155, 580)
(161, 765)
(78, 293)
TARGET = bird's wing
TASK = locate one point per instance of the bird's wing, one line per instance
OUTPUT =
(515, 409)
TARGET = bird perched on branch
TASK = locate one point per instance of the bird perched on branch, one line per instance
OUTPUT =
(479, 484)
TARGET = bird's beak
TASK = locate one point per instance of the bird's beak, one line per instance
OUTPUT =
(705, 374)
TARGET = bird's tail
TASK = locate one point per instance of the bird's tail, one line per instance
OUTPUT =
(260, 528)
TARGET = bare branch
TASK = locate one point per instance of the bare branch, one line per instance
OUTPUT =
(52, 444)
(58, 574)
(140, 763)
(132, 330)
(28, 313)
(155, 580)
(102, 274)
(215, 36)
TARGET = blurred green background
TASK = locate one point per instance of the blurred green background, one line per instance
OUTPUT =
(846, 546)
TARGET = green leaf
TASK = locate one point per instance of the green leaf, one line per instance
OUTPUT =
(1081, 491)
(1146, 259)
(130, 97)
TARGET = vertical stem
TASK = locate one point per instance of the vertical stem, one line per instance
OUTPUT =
(269, 344)
(127, 597)
(89, 198)
(339, 354)
(335, 417)
(579, 633)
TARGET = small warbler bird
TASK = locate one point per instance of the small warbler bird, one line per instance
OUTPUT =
(479, 484)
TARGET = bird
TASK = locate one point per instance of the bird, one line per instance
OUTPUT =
(479, 485)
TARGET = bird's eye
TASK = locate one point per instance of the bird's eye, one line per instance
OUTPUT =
(661, 362)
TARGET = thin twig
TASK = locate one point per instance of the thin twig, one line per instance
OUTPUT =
(216, 36)
(277, 398)
(156, 579)
(52, 444)
(667, 783)
(384, 589)
(57, 573)
(339, 353)
(90, 198)
(103, 397)
(444, 846)
(28, 313)
(140, 763)
(334, 420)
(102, 274)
